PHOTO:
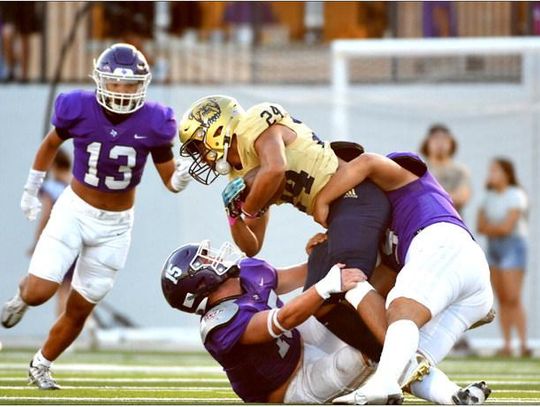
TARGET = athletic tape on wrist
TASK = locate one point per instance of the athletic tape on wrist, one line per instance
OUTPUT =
(322, 286)
(276, 322)
(34, 181)
(269, 321)
(357, 294)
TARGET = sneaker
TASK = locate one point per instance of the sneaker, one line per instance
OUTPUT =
(13, 311)
(476, 393)
(40, 375)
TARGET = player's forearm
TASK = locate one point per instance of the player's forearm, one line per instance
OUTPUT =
(266, 184)
(300, 308)
(245, 238)
(46, 152)
(345, 178)
(291, 278)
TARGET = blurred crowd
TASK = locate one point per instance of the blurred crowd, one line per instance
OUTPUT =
(252, 23)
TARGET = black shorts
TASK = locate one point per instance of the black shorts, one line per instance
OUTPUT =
(357, 223)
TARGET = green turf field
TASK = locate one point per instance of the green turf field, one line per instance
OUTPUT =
(190, 378)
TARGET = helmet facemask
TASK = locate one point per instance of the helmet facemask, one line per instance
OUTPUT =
(121, 102)
(208, 164)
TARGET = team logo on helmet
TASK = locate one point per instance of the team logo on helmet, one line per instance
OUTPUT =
(206, 113)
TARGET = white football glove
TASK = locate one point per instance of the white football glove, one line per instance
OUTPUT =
(30, 204)
(180, 178)
(330, 284)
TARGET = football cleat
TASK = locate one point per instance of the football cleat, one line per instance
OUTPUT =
(13, 311)
(486, 320)
(41, 376)
(416, 370)
(373, 392)
(475, 393)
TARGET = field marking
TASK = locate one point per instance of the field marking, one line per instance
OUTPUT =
(89, 367)
(133, 388)
(127, 399)
(126, 380)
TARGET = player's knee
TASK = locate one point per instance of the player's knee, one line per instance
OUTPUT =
(36, 292)
(349, 362)
(406, 308)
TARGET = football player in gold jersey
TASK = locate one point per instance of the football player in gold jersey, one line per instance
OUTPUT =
(293, 166)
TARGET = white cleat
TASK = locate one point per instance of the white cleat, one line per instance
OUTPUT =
(41, 376)
(473, 394)
(416, 370)
(13, 311)
(372, 393)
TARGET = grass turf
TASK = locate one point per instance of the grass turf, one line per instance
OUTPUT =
(194, 378)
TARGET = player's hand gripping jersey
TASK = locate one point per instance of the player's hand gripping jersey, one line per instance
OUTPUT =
(253, 370)
(111, 157)
(310, 161)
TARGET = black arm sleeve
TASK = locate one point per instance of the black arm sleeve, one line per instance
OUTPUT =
(62, 133)
(162, 154)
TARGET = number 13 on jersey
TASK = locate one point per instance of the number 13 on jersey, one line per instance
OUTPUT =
(92, 176)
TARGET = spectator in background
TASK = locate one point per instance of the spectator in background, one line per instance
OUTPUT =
(19, 21)
(245, 19)
(439, 148)
(503, 219)
(52, 187)
(439, 19)
(131, 22)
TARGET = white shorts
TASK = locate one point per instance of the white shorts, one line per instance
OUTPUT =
(329, 367)
(446, 271)
(99, 238)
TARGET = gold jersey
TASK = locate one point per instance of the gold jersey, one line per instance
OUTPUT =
(310, 161)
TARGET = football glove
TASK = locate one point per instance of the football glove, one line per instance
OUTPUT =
(180, 178)
(232, 198)
(30, 204)
(330, 284)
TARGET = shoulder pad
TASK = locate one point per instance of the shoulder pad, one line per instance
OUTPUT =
(163, 122)
(68, 108)
(410, 161)
(219, 315)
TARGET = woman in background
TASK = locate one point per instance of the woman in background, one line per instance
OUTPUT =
(502, 219)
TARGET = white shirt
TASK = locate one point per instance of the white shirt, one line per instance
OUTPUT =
(497, 205)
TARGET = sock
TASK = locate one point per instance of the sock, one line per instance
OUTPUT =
(400, 346)
(435, 387)
(39, 359)
(18, 297)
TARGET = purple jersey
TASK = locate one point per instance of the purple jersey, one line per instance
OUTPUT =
(111, 157)
(253, 370)
(415, 206)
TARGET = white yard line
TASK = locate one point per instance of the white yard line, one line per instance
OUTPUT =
(133, 388)
(119, 399)
(126, 380)
(90, 367)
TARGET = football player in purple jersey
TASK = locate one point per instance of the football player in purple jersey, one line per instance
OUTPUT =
(114, 129)
(270, 352)
(443, 285)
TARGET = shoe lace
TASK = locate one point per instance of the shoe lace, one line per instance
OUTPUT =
(43, 374)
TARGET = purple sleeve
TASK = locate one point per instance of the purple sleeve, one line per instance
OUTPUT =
(222, 339)
(67, 110)
(164, 126)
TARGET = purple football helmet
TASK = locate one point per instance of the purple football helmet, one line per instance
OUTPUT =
(121, 64)
(195, 270)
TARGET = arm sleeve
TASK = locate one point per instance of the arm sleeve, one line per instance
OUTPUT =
(162, 154)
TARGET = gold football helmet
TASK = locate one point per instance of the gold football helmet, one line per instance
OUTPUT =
(206, 130)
